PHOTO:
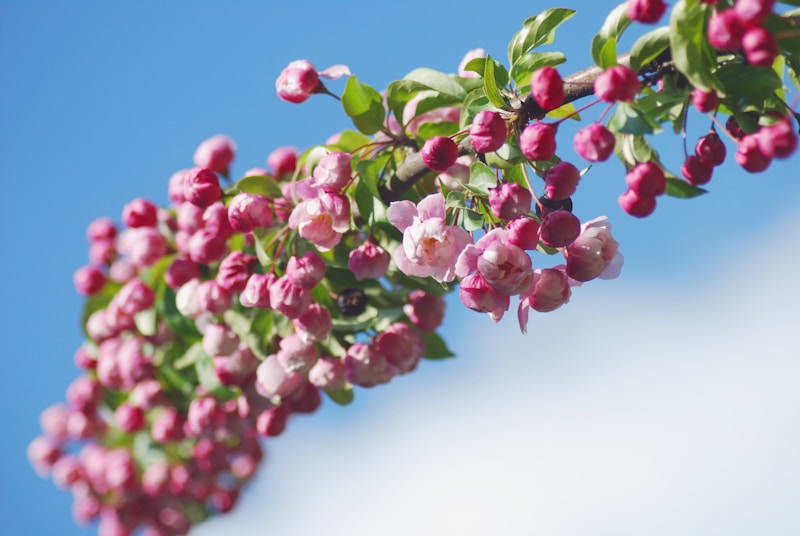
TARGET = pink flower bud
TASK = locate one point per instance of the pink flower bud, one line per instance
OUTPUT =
(549, 290)
(219, 339)
(594, 143)
(167, 426)
(759, 47)
(295, 354)
(646, 11)
(102, 252)
(778, 140)
(297, 82)
(122, 271)
(367, 366)
(83, 394)
(637, 205)
(43, 452)
(175, 188)
(753, 12)
(480, 297)
(559, 228)
(273, 380)
(236, 368)
(750, 155)
(67, 472)
(402, 346)
(155, 478)
(146, 394)
(101, 229)
(561, 181)
(705, 101)
(234, 271)
(201, 187)
(133, 297)
(510, 200)
(488, 131)
(249, 211)
(213, 298)
(256, 292)
(711, 148)
(181, 271)
(272, 422)
(206, 247)
(328, 373)
(289, 299)
(426, 311)
(368, 261)
(725, 30)
(282, 161)
(216, 153)
(547, 88)
(53, 419)
(186, 300)
(697, 170)
(306, 271)
(594, 253)
(315, 324)
(647, 179)
(618, 83)
(140, 213)
(439, 153)
(129, 418)
(322, 220)
(505, 267)
(203, 416)
(89, 280)
(523, 232)
(538, 141)
(190, 217)
(143, 245)
(333, 172)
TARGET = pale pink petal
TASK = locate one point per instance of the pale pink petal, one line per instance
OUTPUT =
(432, 206)
(613, 270)
(335, 71)
(407, 267)
(401, 214)
(467, 261)
(522, 314)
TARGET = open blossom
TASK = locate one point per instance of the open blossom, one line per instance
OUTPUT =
(368, 261)
(322, 220)
(594, 253)
(548, 291)
(502, 265)
(480, 297)
(430, 247)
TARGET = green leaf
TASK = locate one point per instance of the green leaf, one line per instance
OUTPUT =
(438, 81)
(261, 185)
(166, 375)
(565, 110)
(490, 84)
(481, 177)
(208, 379)
(364, 106)
(354, 324)
(475, 102)
(440, 128)
(748, 81)
(399, 92)
(343, 396)
(648, 47)
(682, 189)
(473, 220)
(604, 44)
(189, 357)
(261, 253)
(521, 71)
(182, 326)
(238, 322)
(690, 50)
(627, 119)
(456, 200)
(537, 31)
(369, 171)
(435, 347)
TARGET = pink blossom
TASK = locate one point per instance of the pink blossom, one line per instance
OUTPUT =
(549, 290)
(289, 299)
(594, 253)
(89, 280)
(306, 271)
(333, 172)
(297, 81)
(201, 187)
(476, 294)
(249, 211)
(523, 232)
(175, 186)
(328, 373)
(368, 261)
(256, 292)
(367, 366)
(402, 346)
(133, 297)
(181, 271)
(282, 161)
(296, 354)
(213, 298)
(216, 153)
(503, 266)
(509, 200)
(101, 229)
(315, 324)
(219, 339)
(426, 311)
(143, 245)
(273, 379)
(234, 271)
(322, 220)
(430, 247)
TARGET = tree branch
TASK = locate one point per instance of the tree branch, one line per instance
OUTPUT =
(576, 86)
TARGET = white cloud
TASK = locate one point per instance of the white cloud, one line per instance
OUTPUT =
(634, 410)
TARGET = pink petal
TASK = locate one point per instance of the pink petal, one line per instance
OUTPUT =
(522, 314)
(335, 71)
(431, 206)
(401, 214)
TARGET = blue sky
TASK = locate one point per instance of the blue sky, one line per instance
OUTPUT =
(677, 373)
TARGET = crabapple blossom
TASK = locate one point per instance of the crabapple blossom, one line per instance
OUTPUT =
(368, 261)
(510, 200)
(469, 56)
(234, 271)
(425, 311)
(216, 153)
(476, 294)
(328, 373)
(439, 153)
(697, 169)
(647, 11)
(89, 280)
(523, 232)
(297, 81)
(547, 88)
(561, 181)
(594, 253)
(296, 354)
(503, 266)
(101, 229)
(705, 101)
(636, 204)
(333, 172)
(711, 148)
(778, 140)
(249, 211)
(430, 247)
(559, 228)
(401, 345)
(287, 298)
(219, 339)
(647, 179)
(759, 47)
(273, 380)
(139, 213)
(617, 83)
(306, 271)
(144, 246)
(256, 291)
(752, 12)
(282, 161)
(213, 298)
(725, 30)
(322, 220)
(367, 366)
(314, 324)
(201, 187)
(750, 154)
(548, 291)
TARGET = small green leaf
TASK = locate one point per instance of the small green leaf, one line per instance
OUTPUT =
(490, 84)
(604, 44)
(364, 106)
(189, 357)
(438, 81)
(475, 102)
(682, 189)
(261, 185)
(456, 200)
(349, 141)
(439, 128)
(537, 31)
(354, 324)
(399, 92)
(525, 66)
(565, 110)
(648, 47)
(482, 177)
(690, 50)
(473, 220)
(169, 376)
(239, 323)
(748, 81)
(627, 119)
(343, 396)
(261, 253)
(435, 347)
